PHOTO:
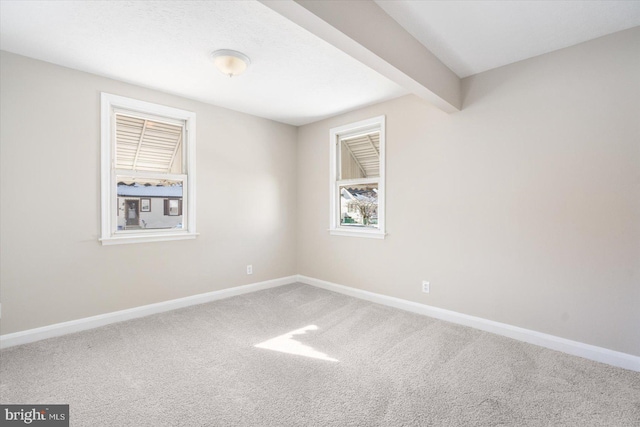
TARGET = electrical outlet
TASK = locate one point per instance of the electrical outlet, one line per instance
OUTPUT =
(425, 287)
(249, 269)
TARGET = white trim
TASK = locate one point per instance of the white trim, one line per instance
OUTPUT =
(358, 128)
(152, 175)
(363, 126)
(124, 239)
(147, 116)
(370, 233)
(58, 329)
(575, 348)
(106, 203)
(109, 234)
(357, 181)
(587, 351)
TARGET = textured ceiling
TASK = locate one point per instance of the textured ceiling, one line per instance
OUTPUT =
(294, 76)
(475, 36)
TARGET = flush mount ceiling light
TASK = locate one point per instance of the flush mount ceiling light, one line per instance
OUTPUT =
(230, 62)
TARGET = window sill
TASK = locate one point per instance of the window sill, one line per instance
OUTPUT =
(159, 237)
(370, 234)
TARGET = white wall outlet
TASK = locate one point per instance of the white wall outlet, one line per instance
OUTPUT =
(425, 287)
(249, 269)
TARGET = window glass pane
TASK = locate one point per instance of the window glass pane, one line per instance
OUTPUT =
(360, 156)
(173, 207)
(148, 145)
(149, 204)
(359, 205)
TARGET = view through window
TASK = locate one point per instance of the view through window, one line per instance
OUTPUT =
(357, 175)
(148, 171)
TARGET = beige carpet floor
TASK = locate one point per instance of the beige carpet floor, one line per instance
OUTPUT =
(348, 363)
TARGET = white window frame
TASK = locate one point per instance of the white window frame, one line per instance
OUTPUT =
(353, 129)
(109, 199)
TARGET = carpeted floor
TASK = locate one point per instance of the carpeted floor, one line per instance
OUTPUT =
(370, 365)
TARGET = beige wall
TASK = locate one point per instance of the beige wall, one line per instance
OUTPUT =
(523, 208)
(53, 268)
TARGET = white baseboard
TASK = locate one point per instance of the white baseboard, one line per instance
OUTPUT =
(587, 351)
(37, 334)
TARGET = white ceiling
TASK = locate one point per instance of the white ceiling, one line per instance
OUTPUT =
(295, 77)
(475, 36)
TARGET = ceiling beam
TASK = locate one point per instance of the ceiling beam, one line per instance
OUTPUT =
(135, 159)
(363, 30)
(175, 151)
(373, 145)
(355, 159)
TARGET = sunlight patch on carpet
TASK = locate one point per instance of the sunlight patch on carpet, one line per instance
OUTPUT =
(286, 344)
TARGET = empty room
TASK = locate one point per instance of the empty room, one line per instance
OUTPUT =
(320, 213)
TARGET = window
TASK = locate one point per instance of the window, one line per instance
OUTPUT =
(357, 179)
(148, 172)
(173, 207)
